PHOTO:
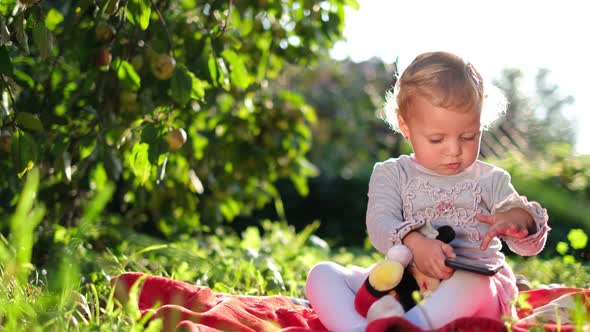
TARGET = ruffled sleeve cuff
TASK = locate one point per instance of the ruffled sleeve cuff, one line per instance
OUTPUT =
(533, 243)
(399, 232)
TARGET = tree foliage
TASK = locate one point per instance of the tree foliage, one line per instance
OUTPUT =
(540, 116)
(176, 102)
(350, 135)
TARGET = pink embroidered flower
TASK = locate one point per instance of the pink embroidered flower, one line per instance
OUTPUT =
(443, 207)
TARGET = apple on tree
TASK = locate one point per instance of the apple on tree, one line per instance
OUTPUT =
(103, 57)
(162, 66)
(104, 32)
(176, 139)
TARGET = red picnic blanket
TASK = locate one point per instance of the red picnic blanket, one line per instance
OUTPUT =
(197, 308)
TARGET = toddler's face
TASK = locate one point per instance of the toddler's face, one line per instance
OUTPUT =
(444, 141)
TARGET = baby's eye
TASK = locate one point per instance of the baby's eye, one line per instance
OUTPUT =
(435, 141)
(468, 138)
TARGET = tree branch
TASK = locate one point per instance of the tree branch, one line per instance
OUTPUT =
(226, 22)
(163, 22)
(12, 101)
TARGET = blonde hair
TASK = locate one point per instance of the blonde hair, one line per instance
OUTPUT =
(448, 81)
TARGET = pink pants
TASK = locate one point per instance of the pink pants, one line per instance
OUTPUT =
(331, 288)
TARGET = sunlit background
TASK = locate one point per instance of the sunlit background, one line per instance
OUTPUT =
(493, 35)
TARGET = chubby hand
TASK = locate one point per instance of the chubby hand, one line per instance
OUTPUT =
(429, 255)
(516, 223)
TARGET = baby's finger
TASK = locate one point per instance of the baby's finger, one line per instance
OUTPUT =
(448, 250)
(517, 232)
(488, 238)
(506, 229)
(440, 270)
(487, 219)
(445, 273)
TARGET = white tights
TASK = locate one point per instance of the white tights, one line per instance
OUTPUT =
(331, 288)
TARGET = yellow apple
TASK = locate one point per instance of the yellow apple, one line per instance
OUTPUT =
(104, 32)
(176, 139)
(162, 66)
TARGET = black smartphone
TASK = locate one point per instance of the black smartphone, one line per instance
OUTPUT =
(465, 264)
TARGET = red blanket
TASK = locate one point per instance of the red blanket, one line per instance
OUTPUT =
(197, 308)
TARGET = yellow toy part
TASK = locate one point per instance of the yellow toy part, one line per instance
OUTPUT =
(386, 275)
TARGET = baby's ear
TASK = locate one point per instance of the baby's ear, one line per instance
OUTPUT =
(403, 126)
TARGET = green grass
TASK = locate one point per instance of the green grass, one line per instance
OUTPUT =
(74, 294)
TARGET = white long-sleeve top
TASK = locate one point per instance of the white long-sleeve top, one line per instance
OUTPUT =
(404, 196)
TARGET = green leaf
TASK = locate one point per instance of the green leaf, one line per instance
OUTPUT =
(127, 74)
(199, 87)
(155, 324)
(149, 133)
(139, 12)
(185, 85)
(577, 238)
(262, 66)
(251, 238)
(43, 39)
(23, 224)
(212, 69)
(309, 114)
(25, 152)
(307, 168)
(5, 63)
(22, 77)
(562, 247)
(188, 4)
(300, 183)
(99, 177)
(523, 301)
(230, 208)
(238, 73)
(569, 259)
(53, 19)
(158, 150)
(29, 121)
(181, 85)
(87, 145)
(61, 234)
(211, 61)
(140, 163)
(199, 145)
(352, 3)
(65, 280)
(112, 164)
(90, 218)
(222, 74)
